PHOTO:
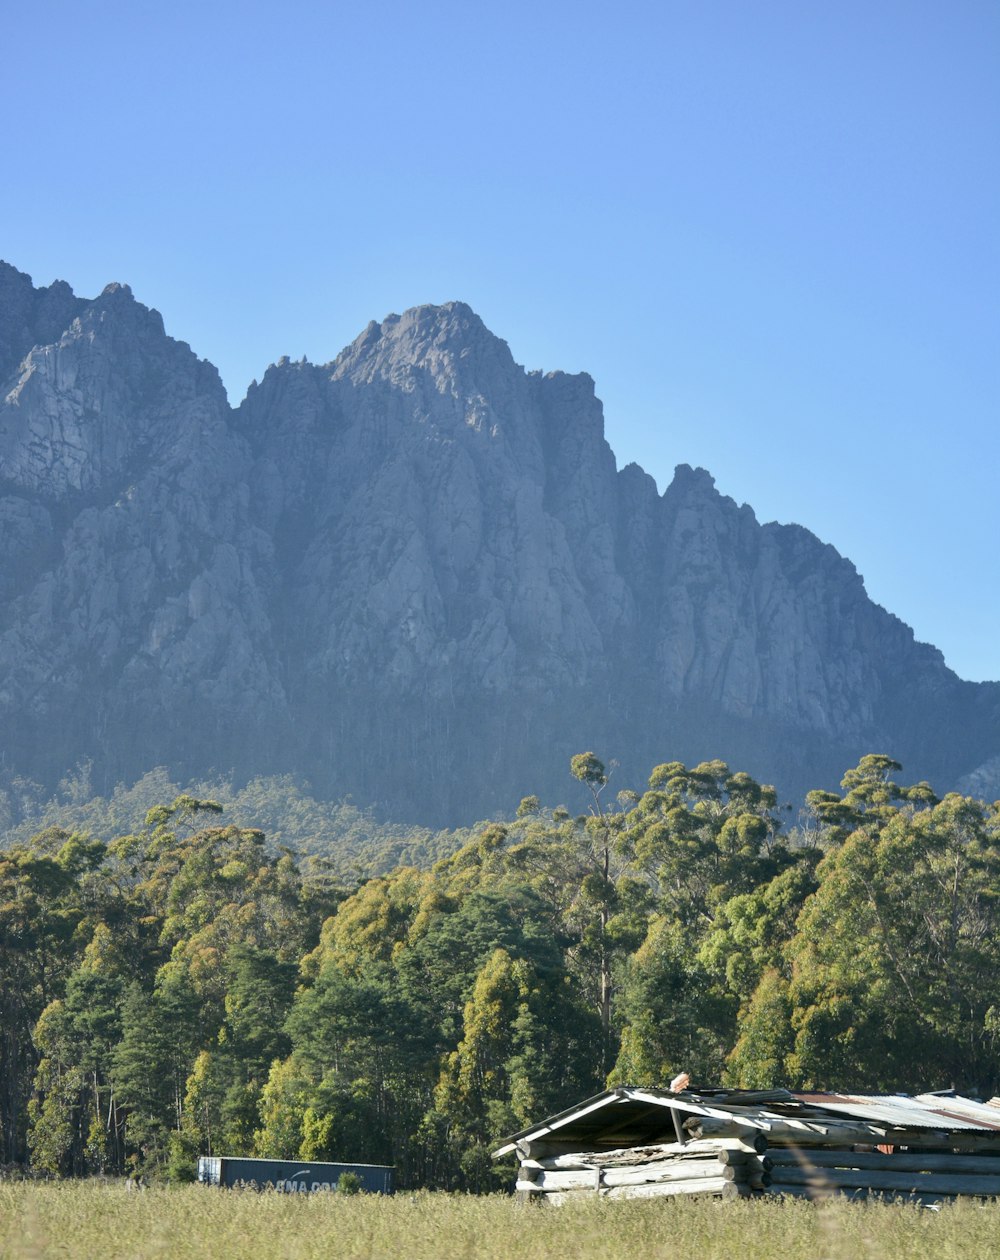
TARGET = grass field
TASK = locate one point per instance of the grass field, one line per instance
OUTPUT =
(99, 1221)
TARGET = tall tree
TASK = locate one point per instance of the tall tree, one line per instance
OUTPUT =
(898, 952)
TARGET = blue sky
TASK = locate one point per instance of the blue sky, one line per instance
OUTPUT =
(768, 230)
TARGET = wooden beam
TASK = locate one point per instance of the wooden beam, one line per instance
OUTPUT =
(899, 1161)
(864, 1179)
(726, 1150)
(666, 1170)
(702, 1186)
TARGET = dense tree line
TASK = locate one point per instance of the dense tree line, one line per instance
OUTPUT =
(357, 843)
(184, 988)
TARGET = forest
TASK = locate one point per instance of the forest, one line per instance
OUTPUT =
(189, 987)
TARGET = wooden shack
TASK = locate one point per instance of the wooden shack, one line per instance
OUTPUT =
(640, 1143)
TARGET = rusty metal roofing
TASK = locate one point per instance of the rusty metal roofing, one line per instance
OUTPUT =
(903, 1111)
(898, 1111)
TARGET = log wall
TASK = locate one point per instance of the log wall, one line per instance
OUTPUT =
(739, 1163)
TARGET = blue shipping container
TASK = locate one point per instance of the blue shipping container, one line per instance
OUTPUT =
(290, 1176)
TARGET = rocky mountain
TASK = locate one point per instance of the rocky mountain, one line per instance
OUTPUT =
(414, 574)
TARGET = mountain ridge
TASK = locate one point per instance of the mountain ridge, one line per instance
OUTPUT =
(414, 573)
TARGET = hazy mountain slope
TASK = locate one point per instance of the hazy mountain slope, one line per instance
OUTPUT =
(413, 574)
(133, 612)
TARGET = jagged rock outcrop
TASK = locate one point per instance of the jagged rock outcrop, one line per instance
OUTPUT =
(414, 574)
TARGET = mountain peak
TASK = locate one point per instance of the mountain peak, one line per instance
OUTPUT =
(445, 314)
(452, 324)
(690, 478)
(115, 289)
(435, 339)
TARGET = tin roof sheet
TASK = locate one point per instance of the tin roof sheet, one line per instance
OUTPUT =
(903, 1111)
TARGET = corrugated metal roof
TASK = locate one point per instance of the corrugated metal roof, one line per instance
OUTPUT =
(902, 1111)
(982, 1115)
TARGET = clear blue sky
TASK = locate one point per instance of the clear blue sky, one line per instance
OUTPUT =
(769, 230)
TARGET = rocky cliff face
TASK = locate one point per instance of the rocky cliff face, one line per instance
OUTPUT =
(414, 574)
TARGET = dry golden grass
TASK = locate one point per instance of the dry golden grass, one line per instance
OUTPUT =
(102, 1221)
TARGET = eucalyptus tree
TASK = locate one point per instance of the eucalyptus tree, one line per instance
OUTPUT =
(706, 839)
(50, 900)
(896, 963)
